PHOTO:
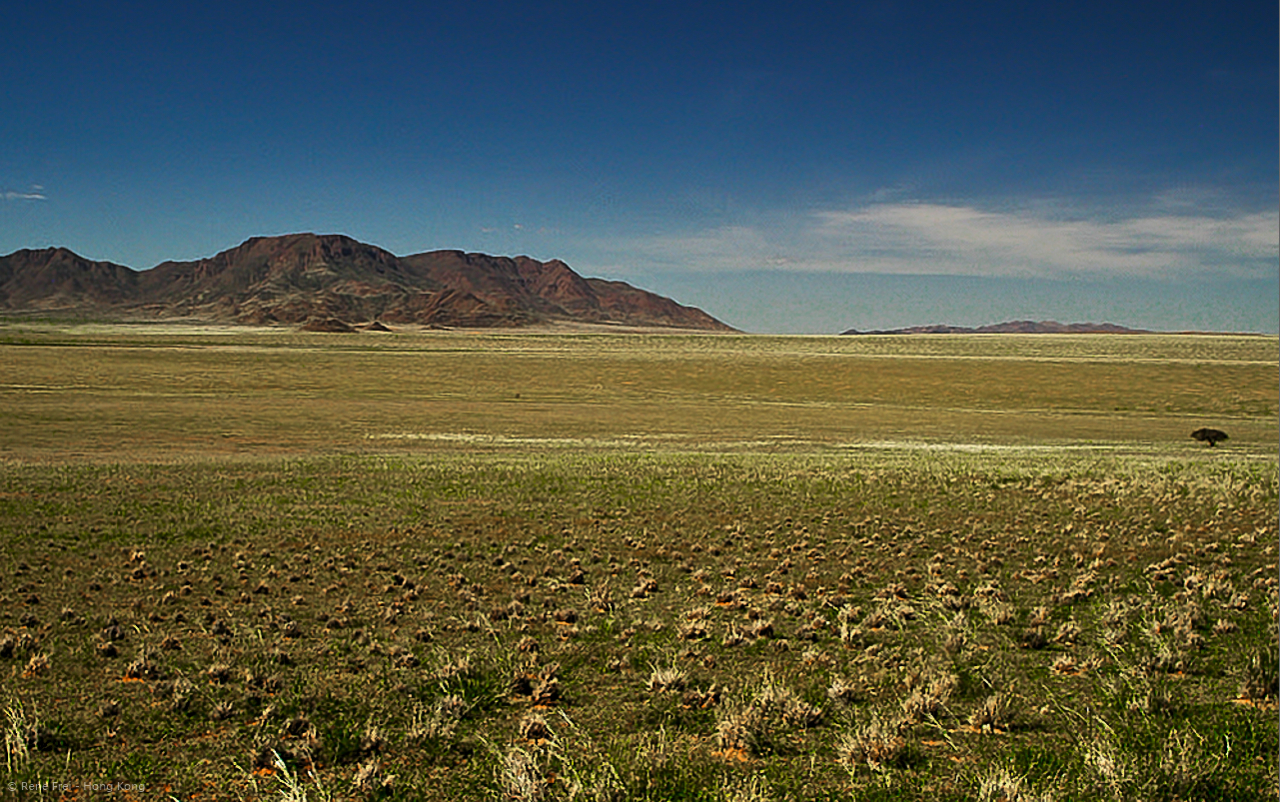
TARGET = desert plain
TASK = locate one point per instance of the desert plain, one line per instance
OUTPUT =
(572, 563)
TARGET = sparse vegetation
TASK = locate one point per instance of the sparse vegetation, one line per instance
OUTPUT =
(604, 622)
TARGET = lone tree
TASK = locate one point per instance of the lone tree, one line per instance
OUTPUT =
(1210, 436)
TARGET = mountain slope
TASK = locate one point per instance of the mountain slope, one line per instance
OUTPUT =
(554, 291)
(299, 277)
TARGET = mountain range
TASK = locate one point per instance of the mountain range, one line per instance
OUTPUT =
(1013, 327)
(333, 282)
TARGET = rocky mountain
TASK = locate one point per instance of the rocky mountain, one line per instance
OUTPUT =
(56, 278)
(1013, 327)
(305, 278)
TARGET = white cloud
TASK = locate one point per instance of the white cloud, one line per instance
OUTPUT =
(933, 238)
(13, 196)
(940, 239)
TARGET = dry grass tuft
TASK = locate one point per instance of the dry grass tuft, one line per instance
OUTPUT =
(1260, 677)
(1002, 785)
(875, 744)
(667, 679)
(996, 713)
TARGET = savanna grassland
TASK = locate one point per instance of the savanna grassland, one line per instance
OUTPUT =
(257, 564)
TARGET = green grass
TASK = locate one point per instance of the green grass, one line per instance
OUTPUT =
(709, 584)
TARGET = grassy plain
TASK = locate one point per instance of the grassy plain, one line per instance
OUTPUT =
(458, 565)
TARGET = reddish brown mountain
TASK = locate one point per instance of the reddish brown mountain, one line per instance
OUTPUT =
(307, 277)
(1013, 327)
(553, 291)
(56, 278)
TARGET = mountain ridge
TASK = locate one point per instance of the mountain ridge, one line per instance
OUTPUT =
(294, 279)
(1011, 327)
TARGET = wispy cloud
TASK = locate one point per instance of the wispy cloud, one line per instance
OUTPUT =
(35, 194)
(933, 238)
(942, 239)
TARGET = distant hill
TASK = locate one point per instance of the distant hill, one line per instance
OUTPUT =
(305, 278)
(1013, 327)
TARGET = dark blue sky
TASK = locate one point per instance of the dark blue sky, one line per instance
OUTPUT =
(733, 152)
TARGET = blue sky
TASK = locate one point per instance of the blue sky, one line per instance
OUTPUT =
(789, 167)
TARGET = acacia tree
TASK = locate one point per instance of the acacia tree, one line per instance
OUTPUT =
(1210, 436)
